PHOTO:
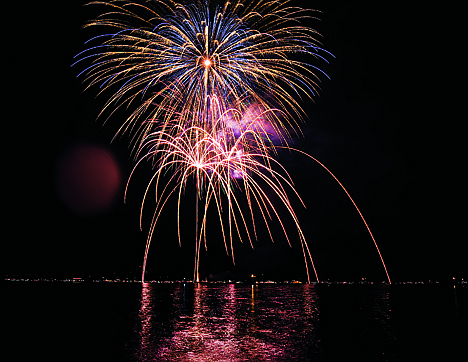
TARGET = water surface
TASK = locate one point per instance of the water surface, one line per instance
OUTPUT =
(233, 322)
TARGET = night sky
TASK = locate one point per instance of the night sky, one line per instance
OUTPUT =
(375, 125)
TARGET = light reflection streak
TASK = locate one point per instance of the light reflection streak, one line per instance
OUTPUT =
(222, 323)
(145, 314)
(309, 303)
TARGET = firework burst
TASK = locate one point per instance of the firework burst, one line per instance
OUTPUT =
(172, 58)
(221, 161)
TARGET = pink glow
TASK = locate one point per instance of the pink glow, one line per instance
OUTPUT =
(257, 120)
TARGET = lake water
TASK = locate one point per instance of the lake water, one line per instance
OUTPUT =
(233, 322)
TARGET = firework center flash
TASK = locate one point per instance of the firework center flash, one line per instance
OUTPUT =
(207, 63)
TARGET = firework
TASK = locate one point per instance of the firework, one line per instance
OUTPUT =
(212, 92)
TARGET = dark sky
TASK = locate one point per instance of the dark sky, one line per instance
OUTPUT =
(375, 125)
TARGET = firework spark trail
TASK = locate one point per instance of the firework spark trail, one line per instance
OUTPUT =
(355, 206)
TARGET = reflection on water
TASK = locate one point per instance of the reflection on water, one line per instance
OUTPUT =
(145, 317)
(225, 322)
(169, 322)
